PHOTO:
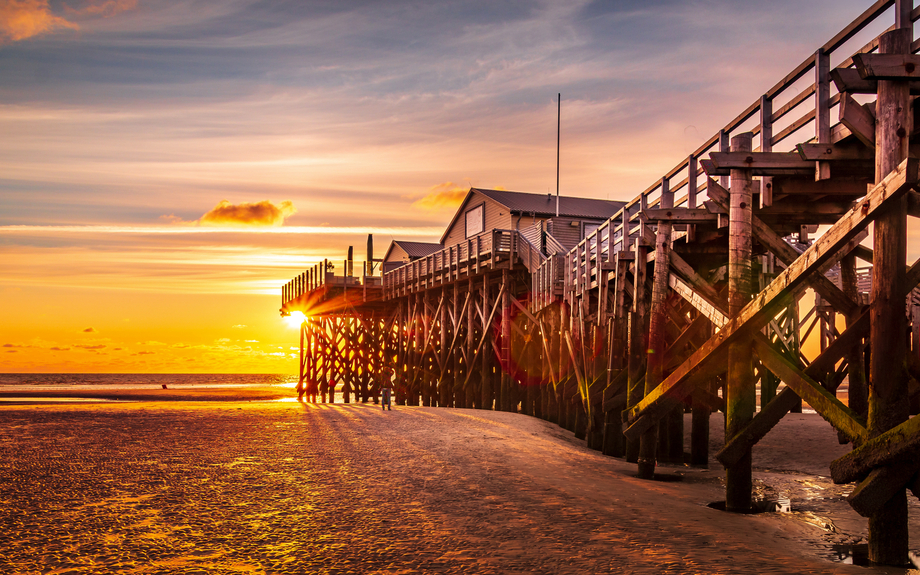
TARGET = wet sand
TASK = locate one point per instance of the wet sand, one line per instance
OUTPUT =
(258, 486)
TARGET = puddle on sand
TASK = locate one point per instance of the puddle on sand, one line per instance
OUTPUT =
(779, 505)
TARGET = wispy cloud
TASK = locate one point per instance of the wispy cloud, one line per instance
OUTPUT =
(22, 19)
(447, 195)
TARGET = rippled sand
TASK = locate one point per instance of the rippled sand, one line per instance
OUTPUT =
(284, 487)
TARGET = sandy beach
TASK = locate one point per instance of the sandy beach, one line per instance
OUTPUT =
(238, 481)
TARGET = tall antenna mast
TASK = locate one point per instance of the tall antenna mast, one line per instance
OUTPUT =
(558, 129)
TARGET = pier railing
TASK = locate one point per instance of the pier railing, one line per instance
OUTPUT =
(311, 279)
(801, 104)
(470, 257)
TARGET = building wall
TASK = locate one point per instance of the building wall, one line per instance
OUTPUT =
(569, 235)
(496, 217)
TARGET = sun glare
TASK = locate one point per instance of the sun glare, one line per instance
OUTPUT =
(295, 318)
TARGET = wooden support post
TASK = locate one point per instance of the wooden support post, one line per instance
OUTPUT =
(486, 393)
(740, 384)
(638, 343)
(614, 443)
(857, 392)
(505, 400)
(888, 405)
(455, 394)
(443, 391)
(566, 418)
(658, 318)
(417, 366)
(471, 397)
(300, 388)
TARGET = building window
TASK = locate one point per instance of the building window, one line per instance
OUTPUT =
(475, 221)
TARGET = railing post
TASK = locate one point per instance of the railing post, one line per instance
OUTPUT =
(766, 145)
(822, 109)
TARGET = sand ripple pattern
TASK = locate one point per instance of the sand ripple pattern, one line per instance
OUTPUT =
(265, 487)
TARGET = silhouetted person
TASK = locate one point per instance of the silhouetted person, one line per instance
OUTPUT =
(387, 390)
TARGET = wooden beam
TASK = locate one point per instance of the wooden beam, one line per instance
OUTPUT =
(710, 311)
(877, 489)
(820, 255)
(899, 444)
(858, 119)
(761, 163)
(681, 215)
(887, 66)
(849, 81)
(835, 153)
(829, 407)
(839, 186)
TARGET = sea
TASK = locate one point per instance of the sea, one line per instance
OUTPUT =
(143, 380)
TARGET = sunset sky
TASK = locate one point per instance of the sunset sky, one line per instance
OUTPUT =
(166, 166)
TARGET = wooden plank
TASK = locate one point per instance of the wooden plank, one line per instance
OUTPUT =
(762, 163)
(787, 284)
(887, 66)
(899, 444)
(829, 407)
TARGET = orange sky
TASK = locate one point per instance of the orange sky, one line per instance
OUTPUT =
(166, 166)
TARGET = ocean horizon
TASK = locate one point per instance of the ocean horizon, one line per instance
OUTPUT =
(147, 379)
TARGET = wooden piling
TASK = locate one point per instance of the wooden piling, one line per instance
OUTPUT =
(638, 345)
(740, 384)
(888, 406)
(658, 317)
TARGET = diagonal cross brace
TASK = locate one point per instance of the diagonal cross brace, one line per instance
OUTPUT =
(785, 400)
(758, 311)
(826, 404)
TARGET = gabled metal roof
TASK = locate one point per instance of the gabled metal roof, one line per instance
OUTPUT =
(545, 204)
(418, 249)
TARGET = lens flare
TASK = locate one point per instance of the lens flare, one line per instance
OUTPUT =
(295, 318)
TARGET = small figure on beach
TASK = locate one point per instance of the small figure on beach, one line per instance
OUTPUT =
(387, 389)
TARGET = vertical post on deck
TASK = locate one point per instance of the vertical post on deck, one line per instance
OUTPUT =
(658, 318)
(888, 405)
(740, 385)
(637, 341)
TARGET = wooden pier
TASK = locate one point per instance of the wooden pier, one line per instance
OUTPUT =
(691, 297)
